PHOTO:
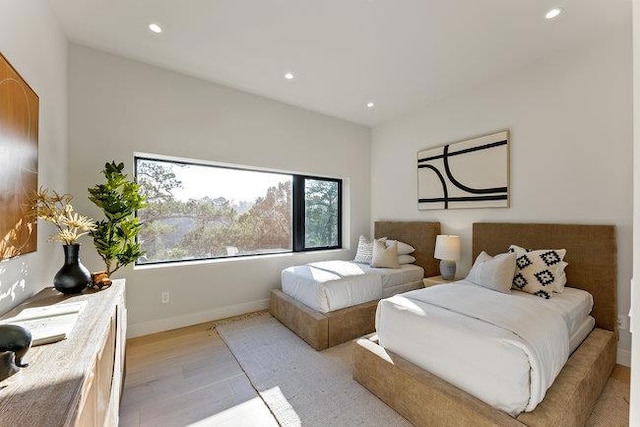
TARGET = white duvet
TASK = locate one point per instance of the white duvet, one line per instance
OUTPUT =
(504, 349)
(331, 285)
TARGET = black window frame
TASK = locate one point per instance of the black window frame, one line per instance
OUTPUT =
(297, 212)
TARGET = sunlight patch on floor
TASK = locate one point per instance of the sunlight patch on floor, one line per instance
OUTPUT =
(250, 413)
(274, 395)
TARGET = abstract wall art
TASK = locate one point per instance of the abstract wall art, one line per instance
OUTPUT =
(18, 162)
(466, 174)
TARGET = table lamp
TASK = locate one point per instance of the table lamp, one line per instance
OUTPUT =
(448, 252)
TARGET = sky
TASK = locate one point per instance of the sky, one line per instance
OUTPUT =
(232, 184)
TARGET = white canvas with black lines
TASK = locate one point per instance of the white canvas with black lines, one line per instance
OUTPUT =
(467, 174)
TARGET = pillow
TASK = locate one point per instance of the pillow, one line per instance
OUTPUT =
(406, 259)
(495, 273)
(383, 256)
(562, 280)
(537, 271)
(558, 272)
(364, 254)
(403, 248)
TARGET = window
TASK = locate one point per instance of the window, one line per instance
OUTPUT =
(200, 211)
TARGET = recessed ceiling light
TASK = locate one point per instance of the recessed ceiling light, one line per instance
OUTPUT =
(370, 105)
(155, 28)
(289, 76)
(554, 13)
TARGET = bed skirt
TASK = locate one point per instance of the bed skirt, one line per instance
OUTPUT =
(323, 330)
(426, 400)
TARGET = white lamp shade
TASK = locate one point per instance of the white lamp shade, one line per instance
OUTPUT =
(447, 247)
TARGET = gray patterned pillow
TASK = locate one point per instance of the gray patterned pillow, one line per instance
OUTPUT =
(537, 271)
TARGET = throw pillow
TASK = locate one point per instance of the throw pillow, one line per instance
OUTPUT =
(364, 254)
(406, 259)
(537, 271)
(556, 269)
(383, 256)
(495, 273)
(403, 248)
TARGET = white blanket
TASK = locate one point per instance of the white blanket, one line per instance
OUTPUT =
(331, 285)
(524, 325)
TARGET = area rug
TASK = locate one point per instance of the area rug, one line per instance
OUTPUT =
(612, 410)
(302, 386)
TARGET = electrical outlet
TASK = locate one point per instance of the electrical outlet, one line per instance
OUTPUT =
(165, 297)
(622, 321)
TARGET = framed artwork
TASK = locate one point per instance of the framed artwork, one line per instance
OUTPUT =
(466, 174)
(18, 162)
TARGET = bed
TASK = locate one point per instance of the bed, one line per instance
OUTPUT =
(332, 285)
(426, 399)
(323, 324)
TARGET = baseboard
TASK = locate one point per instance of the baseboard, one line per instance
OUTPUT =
(624, 357)
(161, 325)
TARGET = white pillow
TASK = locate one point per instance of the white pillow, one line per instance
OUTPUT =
(538, 272)
(403, 248)
(495, 273)
(384, 257)
(557, 270)
(406, 259)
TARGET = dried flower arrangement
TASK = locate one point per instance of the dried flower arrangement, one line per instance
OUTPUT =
(57, 209)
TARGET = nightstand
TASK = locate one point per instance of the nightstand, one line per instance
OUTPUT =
(434, 280)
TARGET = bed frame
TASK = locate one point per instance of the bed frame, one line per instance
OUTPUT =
(427, 400)
(324, 330)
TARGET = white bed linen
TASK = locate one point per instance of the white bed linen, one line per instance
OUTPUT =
(331, 285)
(508, 370)
(581, 332)
(574, 305)
(391, 277)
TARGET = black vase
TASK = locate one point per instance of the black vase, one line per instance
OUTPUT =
(73, 277)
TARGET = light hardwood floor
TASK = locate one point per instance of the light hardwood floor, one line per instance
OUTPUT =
(188, 377)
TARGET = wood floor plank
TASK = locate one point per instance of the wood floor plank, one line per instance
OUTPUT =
(622, 374)
(188, 377)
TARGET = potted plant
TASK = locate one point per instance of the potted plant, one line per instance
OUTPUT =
(115, 236)
(56, 209)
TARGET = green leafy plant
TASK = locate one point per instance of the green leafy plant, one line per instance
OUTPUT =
(115, 237)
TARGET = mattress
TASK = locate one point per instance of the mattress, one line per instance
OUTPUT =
(479, 355)
(331, 285)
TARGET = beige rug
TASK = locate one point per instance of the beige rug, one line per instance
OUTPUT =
(612, 410)
(304, 387)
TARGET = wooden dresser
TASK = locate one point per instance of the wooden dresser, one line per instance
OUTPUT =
(76, 381)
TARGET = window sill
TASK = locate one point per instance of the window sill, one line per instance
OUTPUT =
(249, 258)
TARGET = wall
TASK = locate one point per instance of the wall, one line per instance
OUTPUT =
(571, 148)
(118, 107)
(634, 412)
(32, 42)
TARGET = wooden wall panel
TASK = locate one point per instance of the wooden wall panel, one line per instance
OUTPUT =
(18, 162)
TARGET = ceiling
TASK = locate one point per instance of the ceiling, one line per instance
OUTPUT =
(399, 54)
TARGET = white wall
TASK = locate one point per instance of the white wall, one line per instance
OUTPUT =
(118, 107)
(634, 413)
(32, 42)
(571, 148)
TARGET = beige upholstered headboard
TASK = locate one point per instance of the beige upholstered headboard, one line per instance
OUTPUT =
(419, 234)
(591, 254)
